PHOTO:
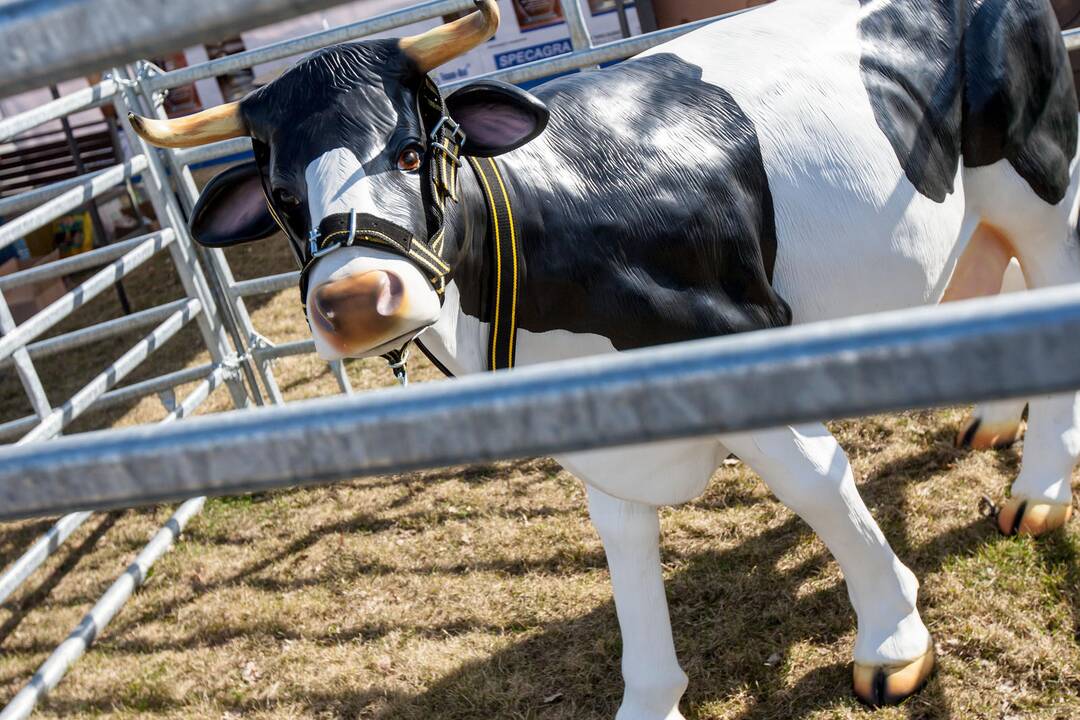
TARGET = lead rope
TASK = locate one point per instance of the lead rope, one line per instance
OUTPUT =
(397, 360)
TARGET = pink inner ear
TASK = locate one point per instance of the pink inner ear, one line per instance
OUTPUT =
(494, 124)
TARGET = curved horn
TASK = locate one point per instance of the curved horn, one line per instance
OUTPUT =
(217, 123)
(431, 49)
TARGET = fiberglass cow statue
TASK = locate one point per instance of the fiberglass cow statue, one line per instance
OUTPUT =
(803, 161)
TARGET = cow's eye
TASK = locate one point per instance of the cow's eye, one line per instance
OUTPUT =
(286, 199)
(409, 160)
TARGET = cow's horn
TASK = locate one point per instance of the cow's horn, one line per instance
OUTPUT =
(217, 123)
(431, 49)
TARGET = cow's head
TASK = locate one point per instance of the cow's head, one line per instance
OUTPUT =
(340, 134)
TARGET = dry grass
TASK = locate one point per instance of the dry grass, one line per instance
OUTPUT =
(482, 592)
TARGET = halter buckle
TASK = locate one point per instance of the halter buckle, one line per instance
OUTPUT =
(313, 238)
(456, 133)
(446, 151)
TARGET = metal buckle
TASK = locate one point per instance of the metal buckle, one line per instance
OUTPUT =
(313, 236)
(456, 133)
(446, 152)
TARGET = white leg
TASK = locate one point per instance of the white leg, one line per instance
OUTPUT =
(996, 424)
(631, 535)
(1041, 498)
(809, 472)
(1044, 239)
(988, 268)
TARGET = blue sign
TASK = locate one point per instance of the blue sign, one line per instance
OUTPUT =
(535, 52)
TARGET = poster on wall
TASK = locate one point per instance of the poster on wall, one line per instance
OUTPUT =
(536, 30)
(530, 30)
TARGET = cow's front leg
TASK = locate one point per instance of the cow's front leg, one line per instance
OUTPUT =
(808, 471)
(654, 681)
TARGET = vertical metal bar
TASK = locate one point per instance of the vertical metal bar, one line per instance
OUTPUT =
(91, 206)
(337, 369)
(624, 23)
(579, 31)
(28, 376)
(168, 212)
(234, 311)
(646, 14)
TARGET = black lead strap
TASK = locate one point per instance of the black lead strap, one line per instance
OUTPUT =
(506, 262)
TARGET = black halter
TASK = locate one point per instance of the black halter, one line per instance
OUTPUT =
(442, 160)
(439, 170)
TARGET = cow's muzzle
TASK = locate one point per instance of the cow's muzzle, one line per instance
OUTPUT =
(361, 311)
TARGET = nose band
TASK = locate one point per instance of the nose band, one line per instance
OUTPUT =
(353, 229)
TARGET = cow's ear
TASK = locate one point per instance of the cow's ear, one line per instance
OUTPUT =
(496, 117)
(232, 209)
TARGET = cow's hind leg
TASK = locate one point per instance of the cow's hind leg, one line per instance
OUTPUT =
(808, 471)
(987, 268)
(1044, 239)
(1041, 496)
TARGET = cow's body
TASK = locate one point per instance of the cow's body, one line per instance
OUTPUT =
(800, 162)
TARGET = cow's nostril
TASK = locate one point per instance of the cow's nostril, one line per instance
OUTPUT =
(360, 308)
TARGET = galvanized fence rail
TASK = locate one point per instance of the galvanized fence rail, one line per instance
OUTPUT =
(841, 368)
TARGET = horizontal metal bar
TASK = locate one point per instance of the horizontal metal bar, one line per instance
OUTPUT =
(90, 288)
(75, 263)
(198, 395)
(121, 590)
(46, 41)
(32, 198)
(263, 285)
(295, 347)
(50, 672)
(307, 43)
(18, 427)
(1072, 39)
(608, 52)
(213, 151)
(119, 396)
(81, 401)
(91, 187)
(61, 107)
(959, 352)
(100, 331)
(150, 386)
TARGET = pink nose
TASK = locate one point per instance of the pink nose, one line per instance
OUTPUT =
(362, 311)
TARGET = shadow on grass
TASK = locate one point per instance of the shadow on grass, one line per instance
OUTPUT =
(28, 601)
(731, 610)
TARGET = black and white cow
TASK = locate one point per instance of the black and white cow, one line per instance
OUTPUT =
(800, 162)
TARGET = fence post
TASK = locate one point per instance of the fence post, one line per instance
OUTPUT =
(235, 311)
(580, 39)
(187, 267)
